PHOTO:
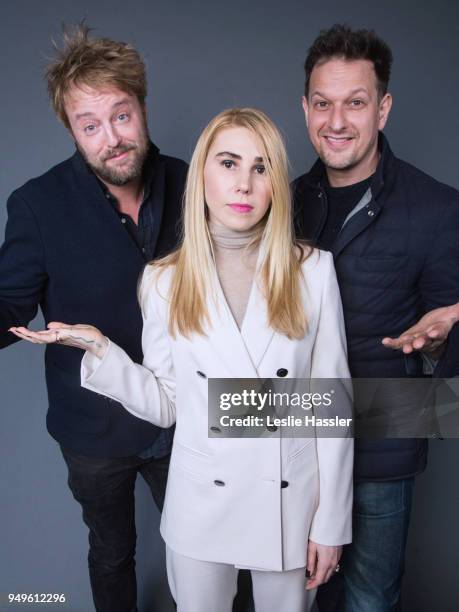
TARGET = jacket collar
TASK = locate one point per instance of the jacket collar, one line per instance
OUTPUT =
(93, 196)
(367, 213)
(315, 176)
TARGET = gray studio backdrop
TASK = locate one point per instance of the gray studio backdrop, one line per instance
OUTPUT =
(202, 57)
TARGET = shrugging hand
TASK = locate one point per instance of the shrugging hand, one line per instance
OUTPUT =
(429, 333)
(322, 563)
(85, 337)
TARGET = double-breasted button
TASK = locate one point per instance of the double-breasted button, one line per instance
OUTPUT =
(284, 484)
(215, 429)
(219, 483)
(282, 372)
(271, 427)
(371, 213)
(320, 194)
(201, 374)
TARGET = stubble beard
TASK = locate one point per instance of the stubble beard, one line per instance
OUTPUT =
(345, 161)
(339, 162)
(124, 174)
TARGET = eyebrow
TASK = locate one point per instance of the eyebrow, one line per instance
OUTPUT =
(236, 156)
(352, 93)
(114, 106)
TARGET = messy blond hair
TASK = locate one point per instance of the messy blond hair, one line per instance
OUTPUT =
(193, 274)
(93, 62)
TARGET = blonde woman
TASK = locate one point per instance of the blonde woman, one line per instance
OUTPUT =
(238, 299)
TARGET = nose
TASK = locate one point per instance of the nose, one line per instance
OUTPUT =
(243, 184)
(112, 136)
(337, 119)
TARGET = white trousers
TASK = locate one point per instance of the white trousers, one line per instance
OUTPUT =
(202, 585)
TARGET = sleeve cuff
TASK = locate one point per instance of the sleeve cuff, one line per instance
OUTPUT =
(91, 363)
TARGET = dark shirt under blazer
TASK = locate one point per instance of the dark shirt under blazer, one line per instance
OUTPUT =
(66, 251)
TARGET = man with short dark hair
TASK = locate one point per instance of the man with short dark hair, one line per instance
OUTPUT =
(77, 240)
(377, 214)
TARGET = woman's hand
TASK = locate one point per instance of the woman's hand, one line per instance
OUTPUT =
(85, 337)
(322, 563)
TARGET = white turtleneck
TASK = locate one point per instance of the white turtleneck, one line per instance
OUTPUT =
(235, 265)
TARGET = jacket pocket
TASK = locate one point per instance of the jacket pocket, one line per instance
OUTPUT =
(392, 263)
(298, 452)
(192, 462)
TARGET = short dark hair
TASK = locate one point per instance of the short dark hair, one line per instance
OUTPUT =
(341, 42)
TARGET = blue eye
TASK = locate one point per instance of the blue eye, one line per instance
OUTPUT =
(123, 116)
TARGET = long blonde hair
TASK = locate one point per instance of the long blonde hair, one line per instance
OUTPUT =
(280, 267)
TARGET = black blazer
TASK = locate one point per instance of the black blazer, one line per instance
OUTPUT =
(66, 251)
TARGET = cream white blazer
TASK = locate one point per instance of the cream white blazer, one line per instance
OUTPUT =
(224, 500)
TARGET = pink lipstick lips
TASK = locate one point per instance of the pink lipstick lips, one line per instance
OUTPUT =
(240, 208)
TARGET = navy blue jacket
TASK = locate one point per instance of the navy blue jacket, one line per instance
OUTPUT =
(396, 258)
(66, 251)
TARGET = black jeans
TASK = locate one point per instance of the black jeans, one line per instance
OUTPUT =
(105, 490)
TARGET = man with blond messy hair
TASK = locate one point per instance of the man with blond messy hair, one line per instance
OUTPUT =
(77, 239)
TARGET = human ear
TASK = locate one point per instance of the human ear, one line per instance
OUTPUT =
(304, 103)
(384, 109)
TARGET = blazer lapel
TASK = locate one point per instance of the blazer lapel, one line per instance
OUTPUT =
(241, 350)
(226, 339)
(92, 196)
(158, 196)
(255, 332)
